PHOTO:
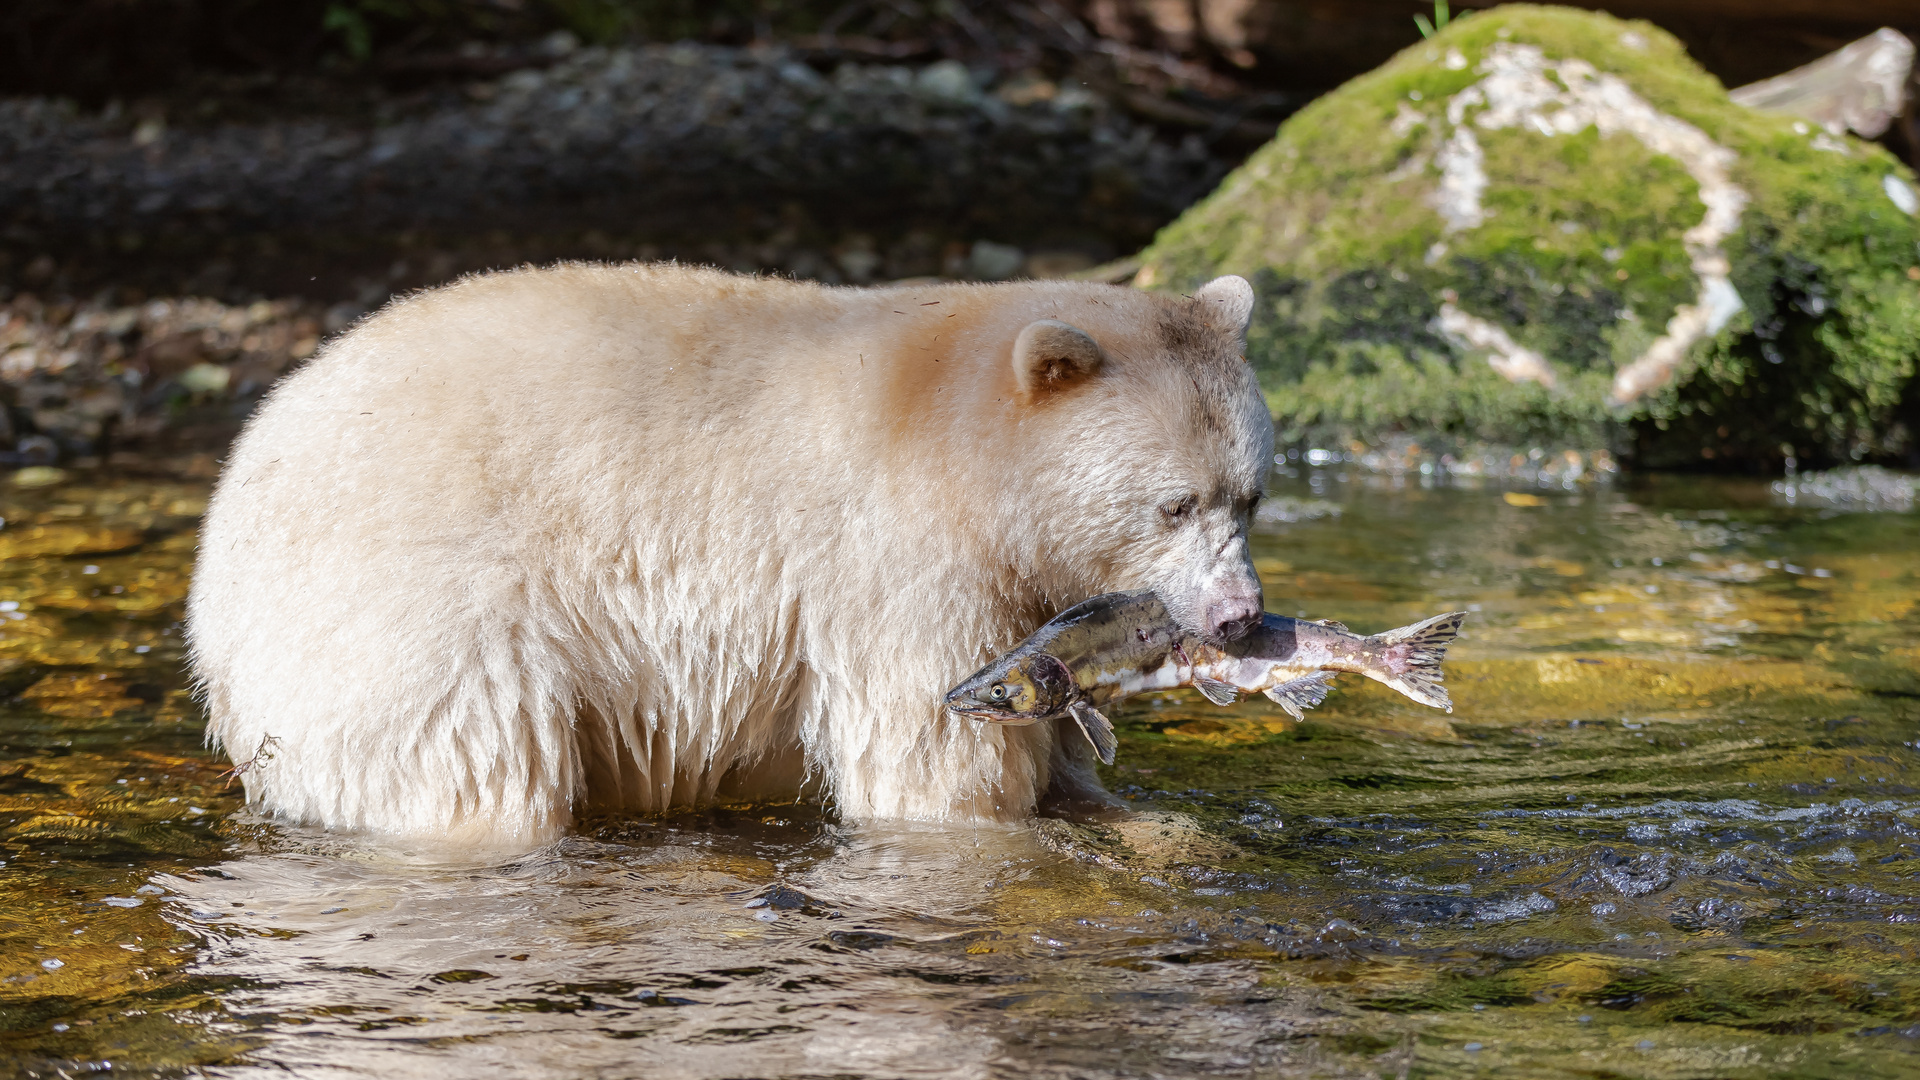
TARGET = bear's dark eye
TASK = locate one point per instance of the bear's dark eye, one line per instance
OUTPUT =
(998, 693)
(1251, 504)
(1178, 510)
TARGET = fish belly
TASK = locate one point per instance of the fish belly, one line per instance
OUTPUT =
(1254, 675)
(1113, 685)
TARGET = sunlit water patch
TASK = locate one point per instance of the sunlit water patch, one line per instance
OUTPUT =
(1671, 829)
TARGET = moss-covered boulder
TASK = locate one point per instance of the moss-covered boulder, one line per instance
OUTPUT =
(1549, 226)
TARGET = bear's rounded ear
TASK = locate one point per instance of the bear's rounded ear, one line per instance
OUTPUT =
(1051, 355)
(1227, 302)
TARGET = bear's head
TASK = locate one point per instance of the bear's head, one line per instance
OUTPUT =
(1159, 444)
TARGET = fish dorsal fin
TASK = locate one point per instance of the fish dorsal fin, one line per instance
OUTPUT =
(1100, 605)
(1216, 691)
(1335, 624)
(1302, 694)
(1097, 728)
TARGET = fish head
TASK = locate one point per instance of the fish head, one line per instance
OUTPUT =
(1015, 690)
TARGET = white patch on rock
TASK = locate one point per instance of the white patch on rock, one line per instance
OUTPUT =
(1721, 302)
(1523, 88)
(1901, 194)
(1504, 355)
(1406, 120)
(1831, 145)
(1463, 179)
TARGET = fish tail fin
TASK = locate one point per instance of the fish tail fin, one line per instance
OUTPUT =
(1301, 694)
(1421, 649)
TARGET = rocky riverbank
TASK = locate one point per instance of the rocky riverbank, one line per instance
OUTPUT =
(158, 272)
(84, 380)
(696, 151)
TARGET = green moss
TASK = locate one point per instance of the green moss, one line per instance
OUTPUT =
(1579, 256)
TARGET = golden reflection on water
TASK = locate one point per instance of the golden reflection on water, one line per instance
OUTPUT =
(1672, 828)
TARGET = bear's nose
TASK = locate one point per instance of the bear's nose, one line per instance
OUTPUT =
(1232, 617)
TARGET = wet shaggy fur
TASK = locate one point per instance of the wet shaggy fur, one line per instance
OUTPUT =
(641, 537)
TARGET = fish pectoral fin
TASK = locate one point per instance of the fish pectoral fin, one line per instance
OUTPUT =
(1097, 728)
(1216, 691)
(1302, 694)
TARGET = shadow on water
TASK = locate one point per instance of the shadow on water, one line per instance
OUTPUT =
(1671, 829)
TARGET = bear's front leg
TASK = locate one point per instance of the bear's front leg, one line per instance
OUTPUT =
(918, 762)
(1074, 790)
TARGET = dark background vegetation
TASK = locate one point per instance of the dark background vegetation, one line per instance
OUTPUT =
(329, 53)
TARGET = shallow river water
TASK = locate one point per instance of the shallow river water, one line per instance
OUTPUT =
(1672, 829)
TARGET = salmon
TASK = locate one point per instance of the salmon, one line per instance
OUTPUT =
(1113, 646)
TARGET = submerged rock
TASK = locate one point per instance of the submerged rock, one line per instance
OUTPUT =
(1550, 226)
(1865, 488)
(1149, 840)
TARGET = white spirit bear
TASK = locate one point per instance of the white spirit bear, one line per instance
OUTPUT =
(638, 537)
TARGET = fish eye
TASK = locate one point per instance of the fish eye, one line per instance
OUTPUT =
(998, 693)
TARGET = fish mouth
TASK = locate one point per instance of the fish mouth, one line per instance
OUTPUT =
(988, 714)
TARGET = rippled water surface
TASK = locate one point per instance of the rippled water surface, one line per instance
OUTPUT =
(1671, 830)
